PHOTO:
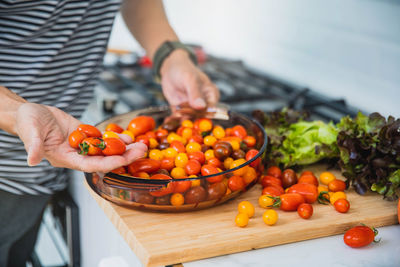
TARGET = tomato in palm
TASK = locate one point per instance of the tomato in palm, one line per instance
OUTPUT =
(337, 185)
(239, 131)
(113, 127)
(89, 130)
(274, 171)
(236, 183)
(113, 146)
(192, 167)
(141, 125)
(144, 165)
(305, 210)
(143, 139)
(359, 236)
(210, 170)
(75, 138)
(198, 155)
(308, 191)
(274, 191)
(91, 146)
(342, 205)
(308, 179)
(167, 163)
(289, 201)
(270, 180)
(165, 190)
(182, 186)
(251, 154)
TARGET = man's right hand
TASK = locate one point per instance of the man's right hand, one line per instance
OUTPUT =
(45, 130)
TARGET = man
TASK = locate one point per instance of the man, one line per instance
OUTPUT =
(51, 53)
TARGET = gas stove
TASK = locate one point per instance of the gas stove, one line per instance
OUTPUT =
(127, 84)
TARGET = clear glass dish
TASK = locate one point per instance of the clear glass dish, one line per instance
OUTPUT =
(138, 193)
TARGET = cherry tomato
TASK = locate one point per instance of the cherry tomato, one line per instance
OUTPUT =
(167, 164)
(198, 155)
(308, 191)
(270, 180)
(250, 141)
(273, 171)
(143, 139)
(113, 146)
(216, 190)
(337, 185)
(75, 138)
(187, 123)
(178, 173)
(236, 183)
(210, 170)
(274, 191)
(218, 132)
(120, 170)
(182, 186)
(265, 201)
(165, 190)
(250, 175)
(89, 130)
(151, 134)
(193, 147)
(181, 160)
(215, 162)
(270, 217)
(247, 208)
(237, 163)
(308, 179)
(161, 133)
(289, 201)
(113, 127)
(342, 205)
(177, 199)
(193, 167)
(91, 146)
(156, 154)
(203, 125)
(195, 195)
(326, 177)
(144, 165)
(109, 134)
(289, 178)
(306, 173)
(239, 131)
(178, 146)
(305, 210)
(251, 154)
(242, 220)
(209, 140)
(360, 236)
(141, 125)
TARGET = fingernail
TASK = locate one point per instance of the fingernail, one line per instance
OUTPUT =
(199, 102)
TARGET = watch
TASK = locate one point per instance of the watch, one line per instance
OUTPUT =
(164, 51)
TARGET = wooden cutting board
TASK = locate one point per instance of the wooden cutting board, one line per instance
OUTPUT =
(167, 238)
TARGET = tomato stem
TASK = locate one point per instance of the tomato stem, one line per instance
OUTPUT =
(84, 148)
(277, 202)
(322, 199)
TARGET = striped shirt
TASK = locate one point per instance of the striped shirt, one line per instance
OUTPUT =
(51, 52)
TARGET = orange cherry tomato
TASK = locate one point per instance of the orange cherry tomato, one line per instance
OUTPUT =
(308, 191)
(250, 175)
(141, 125)
(198, 155)
(193, 167)
(215, 162)
(274, 171)
(91, 146)
(167, 164)
(239, 131)
(75, 138)
(308, 179)
(196, 138)
(89, 130)
(342, 205)
(113, 127)
(203, 125)
(144, 165)
(360, 236)
(337, 185)
(177, 199)
(210, 170)
(182, 186)
(166, 189)
(250, 141)
(143, 139)
(236, 183)
(305, 210)
(273, 190)
(251, 154)
(151, 134)
(178, 146)
(267, 180)
(113, 146)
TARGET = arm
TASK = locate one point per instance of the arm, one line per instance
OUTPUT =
(181, 80)
(44, 130)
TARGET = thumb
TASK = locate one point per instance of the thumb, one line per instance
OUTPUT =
(196, 99)
(35, 149)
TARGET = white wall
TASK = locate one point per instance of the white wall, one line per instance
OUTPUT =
(343, 48)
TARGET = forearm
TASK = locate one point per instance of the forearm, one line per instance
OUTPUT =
(9, 104)
(148, 23)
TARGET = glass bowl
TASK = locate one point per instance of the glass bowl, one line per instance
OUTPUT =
(144, 193)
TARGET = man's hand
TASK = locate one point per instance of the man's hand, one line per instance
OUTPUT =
(45, 130)
(183, 82)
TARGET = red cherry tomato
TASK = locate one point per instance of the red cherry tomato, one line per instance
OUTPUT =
(141, 125)
(113, 127)
(274, 171)
(151, 134)
(182, 186)
(289, 201)
(236, 183)
(161, 133)
(120, 170)
(198, 155)
(270, 180)
(144, 165)
(251, 154)
(91, 146)
(337, 185)
(250, 141)
(308, 179)
(210, 170)
(113, 146)
(196, 138)
(178, 146)
(342, 205)
(359, 236)
(89, 130)
(215, 162)
(75, 138)
(193, 167)
(165, 190)
(308, 191)
(305, 210)
(167, 164)
(143, 139)
(306, 173)
(239, 131)
(273, 190)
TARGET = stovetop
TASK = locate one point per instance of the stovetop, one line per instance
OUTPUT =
(127, 84)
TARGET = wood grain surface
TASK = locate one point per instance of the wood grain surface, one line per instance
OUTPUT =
(167, 238)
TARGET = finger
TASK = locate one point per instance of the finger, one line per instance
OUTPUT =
(35, 150)
(174, 96)
(211, 93)
(134, 151)
(196, 99)
(126, 138)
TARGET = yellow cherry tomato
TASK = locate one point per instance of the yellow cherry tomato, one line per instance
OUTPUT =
(242, 220)
(235, 145)
(173, 136)
(205, 125)
(270, 217)
(193, 147)
(170, 152)
(153, 143)
(178, 173)
(187, 123)
(236, 163)
(194, 182)
(181, 160)
(218, 132)
(156, 154)
(209, 140)
(187, 133)
(109, 134)
(209, 154)
(177, 199)
(227, 163)
(326, 177)
(246, 207)
(129, 133)
(144, 175)
(337, 195)
(265, 201)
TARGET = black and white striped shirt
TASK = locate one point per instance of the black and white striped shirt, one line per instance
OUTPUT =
(51, 52)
